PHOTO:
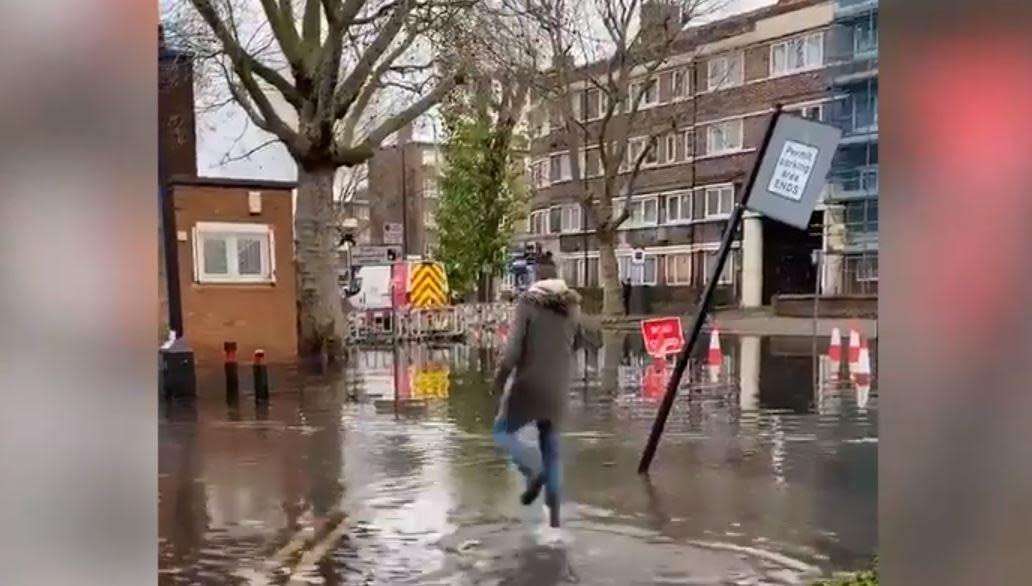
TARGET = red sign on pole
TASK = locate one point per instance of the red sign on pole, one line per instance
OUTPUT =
(662, 335)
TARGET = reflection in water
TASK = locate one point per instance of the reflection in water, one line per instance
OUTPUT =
(759, 478)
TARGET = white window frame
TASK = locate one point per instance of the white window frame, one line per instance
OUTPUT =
(231, 230)
(671, 148)
(857, 52)
(539, 216)
(565, 174)
(681, 74)
(729, 59)
(626, 258)
(644, 86)
(688, 137)
(799, 111)
(709, 214)
(727, 276)
(684, 211)
(570, 219)
(786, 45)
(711, 137)
(639, 202)
(681, 280)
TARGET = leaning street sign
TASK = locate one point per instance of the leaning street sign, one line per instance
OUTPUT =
(793, 170)
(369, 255)
(662, 335)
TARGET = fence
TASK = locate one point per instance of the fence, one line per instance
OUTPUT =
(450, 322)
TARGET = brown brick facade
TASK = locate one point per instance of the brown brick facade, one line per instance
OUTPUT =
(253, 315)
(693, 167)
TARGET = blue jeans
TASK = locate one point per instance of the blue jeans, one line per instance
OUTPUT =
(529, 461)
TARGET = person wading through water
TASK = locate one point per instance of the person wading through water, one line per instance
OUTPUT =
(534, 376)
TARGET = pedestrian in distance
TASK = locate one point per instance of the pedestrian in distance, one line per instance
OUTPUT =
(533, 377)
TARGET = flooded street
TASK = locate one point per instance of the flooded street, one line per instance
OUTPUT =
(387, 474)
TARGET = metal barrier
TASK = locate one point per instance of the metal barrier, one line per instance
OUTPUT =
(449, 322)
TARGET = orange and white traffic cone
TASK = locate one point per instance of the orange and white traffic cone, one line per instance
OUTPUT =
(835, 346)
(714, 357)
(862, 376)
(854, 346)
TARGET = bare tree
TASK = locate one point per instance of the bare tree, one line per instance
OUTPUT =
(609, 70)
(330, 80)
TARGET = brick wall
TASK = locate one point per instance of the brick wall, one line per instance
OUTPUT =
(253, 315)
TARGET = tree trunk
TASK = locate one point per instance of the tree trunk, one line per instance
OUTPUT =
(609, 272)
(319, 303)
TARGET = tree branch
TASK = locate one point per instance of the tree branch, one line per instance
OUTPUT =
(245, 63)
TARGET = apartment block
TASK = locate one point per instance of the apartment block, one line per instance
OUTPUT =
(709, 103)
(851, 215)
(402, 190)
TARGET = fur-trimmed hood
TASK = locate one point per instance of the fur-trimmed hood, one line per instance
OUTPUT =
(553, 294)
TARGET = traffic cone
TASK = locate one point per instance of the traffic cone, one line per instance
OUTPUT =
(835, 347)
(854, 345)
(715, 357)
(862, 371)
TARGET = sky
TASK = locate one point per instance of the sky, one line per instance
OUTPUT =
(224, 135)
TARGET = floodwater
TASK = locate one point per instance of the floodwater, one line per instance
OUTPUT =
(386, 474)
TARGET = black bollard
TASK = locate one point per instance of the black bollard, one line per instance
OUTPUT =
(177, 369)
(261, 376)
(232, 373)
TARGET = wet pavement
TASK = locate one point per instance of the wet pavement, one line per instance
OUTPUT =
(386, 474)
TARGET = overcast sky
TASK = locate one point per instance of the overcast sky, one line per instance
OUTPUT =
(227, 131)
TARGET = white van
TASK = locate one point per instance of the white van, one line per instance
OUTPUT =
(374, 288)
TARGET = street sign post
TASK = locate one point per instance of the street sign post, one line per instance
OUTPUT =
(790, 170)
(393, 233)
(369, 255)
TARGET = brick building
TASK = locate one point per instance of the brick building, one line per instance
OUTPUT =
(237, 279)
(710, 102)
(402, 189)
(176, 144)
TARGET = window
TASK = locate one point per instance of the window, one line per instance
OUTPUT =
(798, 54)
(573, 271)
(430, 187)
(555, 215)
(644, 274)
(650, 89)
(560, 167)
(862, 216)
(578, 105)
(652, 155)
(671, 148)
(679, 84)
(861, 268)
(724, 137)
(631, 153)
(865, 37)
(688, 137)
(724, 72)
(726, 275)
(679, 207)
(679, 269)
(865, 111)
(233, 253)
(569, 218)
(813, 112)
(719, 201)
(539, 173)
(643, 212)
(539, 222)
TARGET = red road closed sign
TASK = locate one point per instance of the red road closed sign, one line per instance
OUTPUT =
(662, 335)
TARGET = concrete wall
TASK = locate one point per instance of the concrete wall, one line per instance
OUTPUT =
(253, 315)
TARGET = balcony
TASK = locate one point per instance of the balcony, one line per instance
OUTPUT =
(854, 8)
(854, 183)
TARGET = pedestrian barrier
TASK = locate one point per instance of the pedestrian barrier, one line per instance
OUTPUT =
(477, 322)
